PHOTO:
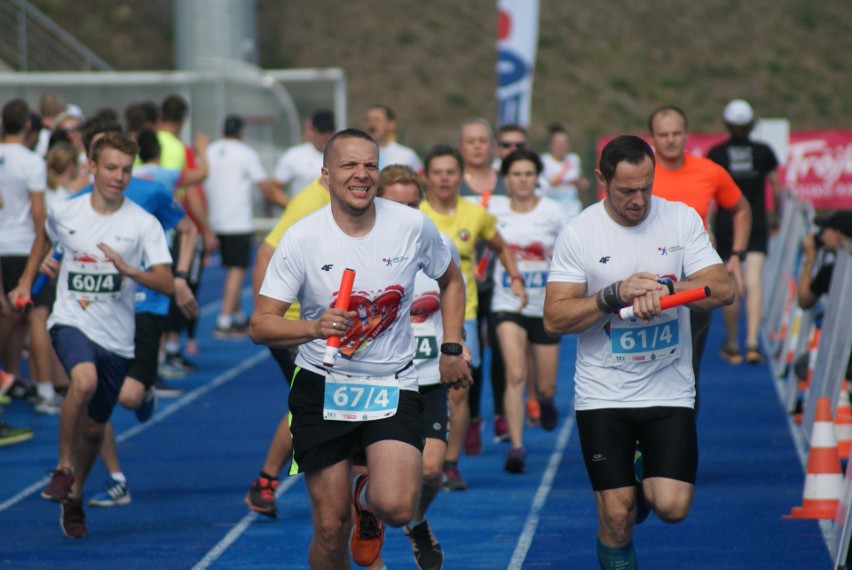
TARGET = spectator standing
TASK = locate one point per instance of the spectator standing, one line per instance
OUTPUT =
(750, 164)
(301, 164)
(381, 125)
(235, 169)
(23, 181)
(563, 171)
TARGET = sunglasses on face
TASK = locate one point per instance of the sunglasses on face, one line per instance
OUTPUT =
(504, 144)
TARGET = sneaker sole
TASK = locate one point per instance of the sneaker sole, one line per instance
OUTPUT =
(122, 502)
(271, 513)
(62, 526)
(47, 497)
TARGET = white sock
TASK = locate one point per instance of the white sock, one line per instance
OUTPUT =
(45, 390)
(172, 346)
(224, 321)
(119, 477)
(362, 498)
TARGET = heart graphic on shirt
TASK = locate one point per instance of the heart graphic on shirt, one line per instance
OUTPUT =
(535, 251)
(376, 312)
(424, 305)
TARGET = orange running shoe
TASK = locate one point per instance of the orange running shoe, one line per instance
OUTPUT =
(368, 533)
(533, 412)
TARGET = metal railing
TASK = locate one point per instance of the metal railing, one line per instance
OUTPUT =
(30, 41)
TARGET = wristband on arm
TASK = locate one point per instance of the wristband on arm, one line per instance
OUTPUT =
(608, 299)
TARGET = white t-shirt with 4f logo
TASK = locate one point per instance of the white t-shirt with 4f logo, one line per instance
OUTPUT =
(91, 295)
(308, 265)
(624, 364)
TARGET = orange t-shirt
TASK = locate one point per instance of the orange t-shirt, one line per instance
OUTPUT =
(697, 183)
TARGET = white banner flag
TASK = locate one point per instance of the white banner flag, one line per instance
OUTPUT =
(517, 40)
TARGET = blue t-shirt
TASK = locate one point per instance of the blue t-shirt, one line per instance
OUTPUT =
(168, 177)
(159, 202)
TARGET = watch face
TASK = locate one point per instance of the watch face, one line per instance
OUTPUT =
(451, 348)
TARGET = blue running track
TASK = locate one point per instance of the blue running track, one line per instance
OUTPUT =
(190, 466)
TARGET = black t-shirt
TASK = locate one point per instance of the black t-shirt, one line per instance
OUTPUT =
(749, 163)
(821, 281)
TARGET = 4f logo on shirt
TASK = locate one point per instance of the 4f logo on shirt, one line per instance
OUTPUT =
(327, 267)
(604, 259)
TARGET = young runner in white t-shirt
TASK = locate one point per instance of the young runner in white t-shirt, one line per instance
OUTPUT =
(105, 239)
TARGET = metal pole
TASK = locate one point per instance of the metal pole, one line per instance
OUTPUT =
(22, 36)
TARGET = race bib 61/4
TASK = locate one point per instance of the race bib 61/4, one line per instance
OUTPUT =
(634, 340)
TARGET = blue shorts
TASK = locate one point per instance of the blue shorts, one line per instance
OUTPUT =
(73, 348)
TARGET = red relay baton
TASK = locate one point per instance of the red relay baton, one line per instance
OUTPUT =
(332, 345)
(669, 301)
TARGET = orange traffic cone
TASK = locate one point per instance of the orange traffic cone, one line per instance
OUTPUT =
(843, 422)
(824, 478)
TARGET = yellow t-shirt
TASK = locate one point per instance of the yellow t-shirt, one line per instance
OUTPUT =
(172, 151)
(309, 200)
(469, 223)
(172, 155)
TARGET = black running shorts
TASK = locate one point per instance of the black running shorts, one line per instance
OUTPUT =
(534, 326)
(235, 249)
(319, 443)
(149, 329)
(666, 437)
(436, 411)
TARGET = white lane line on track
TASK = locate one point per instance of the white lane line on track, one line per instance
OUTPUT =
(184, 401)
(239, 529)
(531, 525)
(228, 375)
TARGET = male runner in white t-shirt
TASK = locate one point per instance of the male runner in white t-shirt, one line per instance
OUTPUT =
(368, 402)
(634, 384)
(105, 239)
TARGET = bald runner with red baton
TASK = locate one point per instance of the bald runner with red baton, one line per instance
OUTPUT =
(369, 401)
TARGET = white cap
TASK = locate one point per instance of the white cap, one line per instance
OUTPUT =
(738, 112)
(74, 111)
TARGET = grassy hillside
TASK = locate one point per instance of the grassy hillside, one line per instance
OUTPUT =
(602, 66)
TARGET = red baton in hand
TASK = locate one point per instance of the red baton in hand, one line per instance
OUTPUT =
(332, 345)
(670, 301)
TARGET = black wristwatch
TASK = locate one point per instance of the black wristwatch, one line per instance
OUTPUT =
(668, 283)
(451, 348)
(182, 275)
(740, 254)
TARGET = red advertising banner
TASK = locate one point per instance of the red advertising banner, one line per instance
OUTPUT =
(817, 168)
